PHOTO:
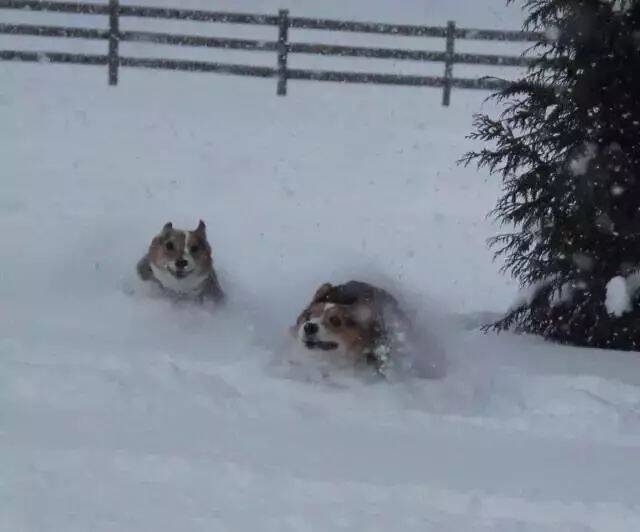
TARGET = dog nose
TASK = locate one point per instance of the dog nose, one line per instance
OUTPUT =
(310, 328)
(182, 263)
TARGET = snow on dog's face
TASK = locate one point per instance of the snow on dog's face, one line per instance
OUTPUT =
(180, 259)
(344, 330)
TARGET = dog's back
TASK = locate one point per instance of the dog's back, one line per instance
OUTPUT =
(381, 302)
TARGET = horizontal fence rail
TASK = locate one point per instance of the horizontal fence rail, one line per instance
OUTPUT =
(281, 46)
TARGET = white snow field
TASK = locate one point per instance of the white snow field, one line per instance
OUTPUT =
(120, 411)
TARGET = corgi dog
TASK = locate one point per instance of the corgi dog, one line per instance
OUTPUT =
(180, 262)
(355, 323)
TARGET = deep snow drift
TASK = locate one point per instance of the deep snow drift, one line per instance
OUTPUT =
(124, 412)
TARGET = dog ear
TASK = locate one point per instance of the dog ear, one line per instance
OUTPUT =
(322, 292)
(201, 229)
(167, 227)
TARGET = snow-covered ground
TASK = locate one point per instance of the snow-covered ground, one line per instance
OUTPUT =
(123, 412)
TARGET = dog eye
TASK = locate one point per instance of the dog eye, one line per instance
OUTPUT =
(194, 249)
(169, 246)
(335, 321)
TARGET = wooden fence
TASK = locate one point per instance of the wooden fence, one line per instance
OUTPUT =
(282, 47)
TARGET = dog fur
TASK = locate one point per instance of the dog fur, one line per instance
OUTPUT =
(355, 321)
(180, 262)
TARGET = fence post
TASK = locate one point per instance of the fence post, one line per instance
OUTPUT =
(114, 39)
(448, 65)
(283, 50)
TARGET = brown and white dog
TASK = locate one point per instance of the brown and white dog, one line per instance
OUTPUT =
(355, 322)
(180, 262)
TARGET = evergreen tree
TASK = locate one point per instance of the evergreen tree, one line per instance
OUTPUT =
(567, 148)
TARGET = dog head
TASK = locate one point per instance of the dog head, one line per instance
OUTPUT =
(343, 329)
(178, 255)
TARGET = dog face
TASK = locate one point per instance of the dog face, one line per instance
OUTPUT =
(178, 257)
(344, 330)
